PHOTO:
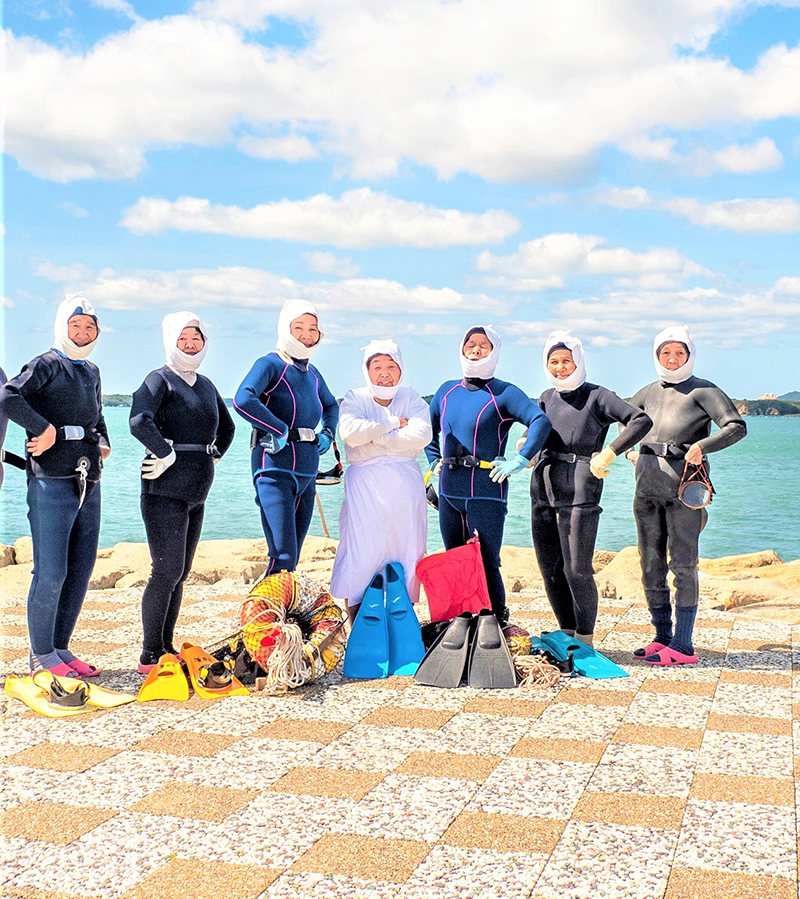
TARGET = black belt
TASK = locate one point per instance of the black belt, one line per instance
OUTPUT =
(572, 458)
(466, 462)
(208, 448)
(77, 432)
(302, 435)
(667, 450)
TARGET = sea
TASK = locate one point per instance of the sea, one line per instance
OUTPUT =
(756, 507)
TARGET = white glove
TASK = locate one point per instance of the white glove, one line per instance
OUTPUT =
(153, 467)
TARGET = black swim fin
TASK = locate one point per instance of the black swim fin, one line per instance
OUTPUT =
(490, 663)
(445, 661)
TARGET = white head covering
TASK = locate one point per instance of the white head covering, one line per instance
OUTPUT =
(679, 333)
(573, 344)
(291, 310)
(182, 363)
(382, 348)
(73, 304)
(480, 368)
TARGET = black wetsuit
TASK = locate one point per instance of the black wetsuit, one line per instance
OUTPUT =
(52, 389)
(565, 495)
(3, 425)
(669, 531)
(165, 408)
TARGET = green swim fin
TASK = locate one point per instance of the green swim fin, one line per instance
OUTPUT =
(406, 649)
(490, 664)
(587, 660)
(445, 661)
(367, 653)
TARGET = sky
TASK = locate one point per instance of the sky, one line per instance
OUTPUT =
(413, 169)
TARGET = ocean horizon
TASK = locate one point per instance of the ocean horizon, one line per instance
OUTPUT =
(755, 508)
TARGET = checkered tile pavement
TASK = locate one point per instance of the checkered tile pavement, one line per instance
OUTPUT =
(676, 783)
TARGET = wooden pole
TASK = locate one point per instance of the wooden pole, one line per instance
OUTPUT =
(322, 517)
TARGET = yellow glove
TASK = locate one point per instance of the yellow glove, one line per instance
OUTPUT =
(600, 462)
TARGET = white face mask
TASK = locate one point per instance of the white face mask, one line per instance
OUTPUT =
(481, 368)
(680, 334)
(171, 329)
(72, 304)
(289, 344)
(382, 348)
(573, 344)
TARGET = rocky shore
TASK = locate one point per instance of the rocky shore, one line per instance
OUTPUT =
(757, 585)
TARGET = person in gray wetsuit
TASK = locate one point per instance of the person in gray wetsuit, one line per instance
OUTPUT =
(682, 408)
(568, 477)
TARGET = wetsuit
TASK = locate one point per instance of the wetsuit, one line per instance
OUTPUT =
(475, 416)
(166, 408)
(3, 425)
(52, 389)
(565, 495)
(669, 531)
(279, 397)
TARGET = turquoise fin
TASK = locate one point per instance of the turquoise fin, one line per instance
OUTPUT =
(445, 661)
(588, 661)
(367, 653)
(406, 649)
(490, 663)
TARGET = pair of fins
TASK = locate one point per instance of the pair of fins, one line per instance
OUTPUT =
(211, 678)
(386, 637)
(472, 645)
(586, 660)
(61, 697)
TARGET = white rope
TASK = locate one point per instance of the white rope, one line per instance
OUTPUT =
(287, 664)
(536, 672)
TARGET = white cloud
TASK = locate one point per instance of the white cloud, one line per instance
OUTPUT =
(243, 288)
(360, 218)
(744, 159)
(118, 6)
(514, 91)
(72, 209)
(290, 147)
(780, 215)
(328, 264)
(788, 285)
(740, 159)
(584, 254)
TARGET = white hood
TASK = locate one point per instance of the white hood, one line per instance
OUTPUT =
(681, 334)
(573, 344)
(382, 348)
(287, 344)
(182, 363)
(73, 304)
(480, 368)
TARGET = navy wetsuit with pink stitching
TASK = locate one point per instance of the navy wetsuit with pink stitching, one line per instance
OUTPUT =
(276, 397)
(474, 417)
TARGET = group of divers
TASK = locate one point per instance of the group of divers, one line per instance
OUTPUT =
(185, 427)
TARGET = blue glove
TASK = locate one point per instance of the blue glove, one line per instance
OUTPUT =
(324, 441)
(503, 468)
(272, 443)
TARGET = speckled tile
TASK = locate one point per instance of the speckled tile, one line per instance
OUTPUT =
(749, 724)
(630, 809)
(474, 732)
(695, 883)
(296, 729)
(449, 764)
(590, 751)
(653, 735)
(756, 678)
(594, 696)
(429, 719)
(742, 838)
(682, 687)
(500, 705)
(185, 742)
(608, 860)
(327, 782)
(193, 801)
(182, 877)
(570, 722)
(310, 885)
(504, 833)
(358, 856)
(729, 788)
(51, 822)
(656, 770)
(751, 755)
(374, 748)
(61, 756)
(748, 699)
(668, 710)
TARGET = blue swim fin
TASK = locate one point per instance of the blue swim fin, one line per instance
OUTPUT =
(588, 661)
(406, 648)
(367, 653)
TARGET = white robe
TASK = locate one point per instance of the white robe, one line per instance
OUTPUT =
(383, 517)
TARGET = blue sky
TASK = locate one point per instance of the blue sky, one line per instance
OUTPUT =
(413, 169)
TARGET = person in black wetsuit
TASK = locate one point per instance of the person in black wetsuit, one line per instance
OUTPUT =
(682, 408)
(567, 480)
(57, 399)
(182, 420)
(3, 425)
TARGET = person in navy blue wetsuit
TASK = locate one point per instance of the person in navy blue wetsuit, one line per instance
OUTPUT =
(284, 398)
(474, 415)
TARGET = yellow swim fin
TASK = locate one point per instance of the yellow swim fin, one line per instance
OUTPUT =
(211, 678)
(97, 696)
(55, 702)
(165, 681)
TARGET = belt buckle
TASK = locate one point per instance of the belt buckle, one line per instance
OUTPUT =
(572, 458)
(73, 432)
(307, 435)
(665, 450)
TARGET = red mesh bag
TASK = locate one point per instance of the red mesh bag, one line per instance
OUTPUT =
(455, 581)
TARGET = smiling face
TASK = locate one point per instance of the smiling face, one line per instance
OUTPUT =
(560, 364)
(305, 329)
(673, 355)
(477, 346)
(190, 341)
(82, 329)
(383, 371)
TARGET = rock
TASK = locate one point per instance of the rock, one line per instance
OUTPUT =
(7, 556)
(786, 573)
(601, 558)
(727, 565)
(133, 579)
(519, 565)
(621, 578)
(23, 551)
(15, 580)
(734, 592)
